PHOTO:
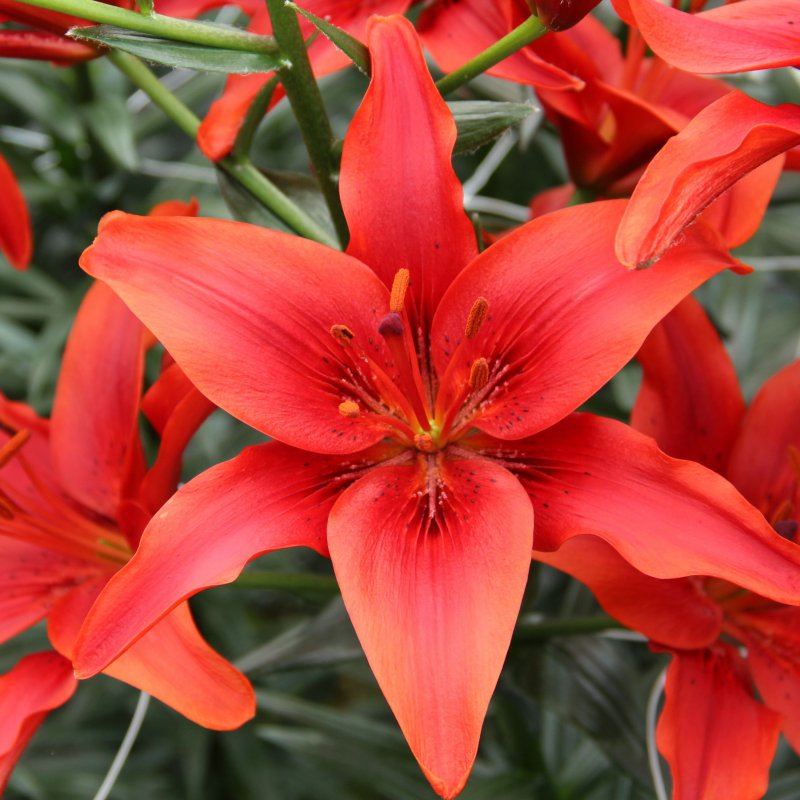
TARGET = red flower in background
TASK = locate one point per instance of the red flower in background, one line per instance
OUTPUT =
(735, 37)
(16, 240)
(731, 152)
(36, 685)
(218, 131)
(74, 497)
(375, 395)
(691, 404)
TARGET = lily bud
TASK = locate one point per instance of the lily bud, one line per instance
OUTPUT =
(558, 15)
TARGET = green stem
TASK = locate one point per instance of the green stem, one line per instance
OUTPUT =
(301, 582)
(140, 75)
(180, 30)
(527, 631)
(523, 34)
(303, 92)
(240, 168)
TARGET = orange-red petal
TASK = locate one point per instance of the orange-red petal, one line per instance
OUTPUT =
(247, 314)
(724, 142)
(402, 200)
(16, 239)
(269, 497)
(434, 603)
(38, 683)
(718, 740)
(689, 401)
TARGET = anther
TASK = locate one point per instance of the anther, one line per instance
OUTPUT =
(476, 317)
(397, 298)
(424, 442)
(12, 446)
(391, 325)
(479, 374)
(342, 334)
(349, 408)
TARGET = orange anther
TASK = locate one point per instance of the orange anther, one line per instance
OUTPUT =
(12, 446)
(479, 374)
(476, 317)
(349, 408)
(397, 298)
(342, 334)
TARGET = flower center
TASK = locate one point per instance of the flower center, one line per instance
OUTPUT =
(38, 514)
(400, 394)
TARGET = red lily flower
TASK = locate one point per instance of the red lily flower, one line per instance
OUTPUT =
(691, 403)
(735, 37)
(217, 133)
(374, 379)
(74, 497)
(16, 239)
(735, 137)
(38, 683)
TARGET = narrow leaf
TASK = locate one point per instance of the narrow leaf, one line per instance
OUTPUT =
(179, 54)
(480, 122)
(355, 50)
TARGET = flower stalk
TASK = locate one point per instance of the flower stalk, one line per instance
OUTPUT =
(304, 96)
(529, 31)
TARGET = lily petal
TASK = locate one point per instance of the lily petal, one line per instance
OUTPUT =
(94, 431)
(171, 661)
(725, 141)
(675, 612)
(16, 239)
(772, 638)
(690, 401)
(398, 179)
(710, 722)
(247, 313)
(434, 603)
(44, 46)
(761, 464)
(752, 34)
(38, 683)
(667, 518)
(176, 409)
(564, 315)
(269, 497)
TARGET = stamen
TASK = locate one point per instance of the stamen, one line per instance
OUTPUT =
(424, 442)
(476, 317)
(479, 374)
(784, 511)
(391, 325)
(343, 335)
(349, 408)
(12, 446)
(397, 299)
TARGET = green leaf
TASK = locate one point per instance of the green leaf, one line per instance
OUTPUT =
(355, 50)
(480, 122)
(179, 54)
(146, 7)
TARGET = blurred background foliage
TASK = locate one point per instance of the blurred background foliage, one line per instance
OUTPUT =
(568, 718)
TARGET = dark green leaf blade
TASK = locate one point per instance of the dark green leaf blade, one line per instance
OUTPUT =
(480, 122)
(181, 55)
